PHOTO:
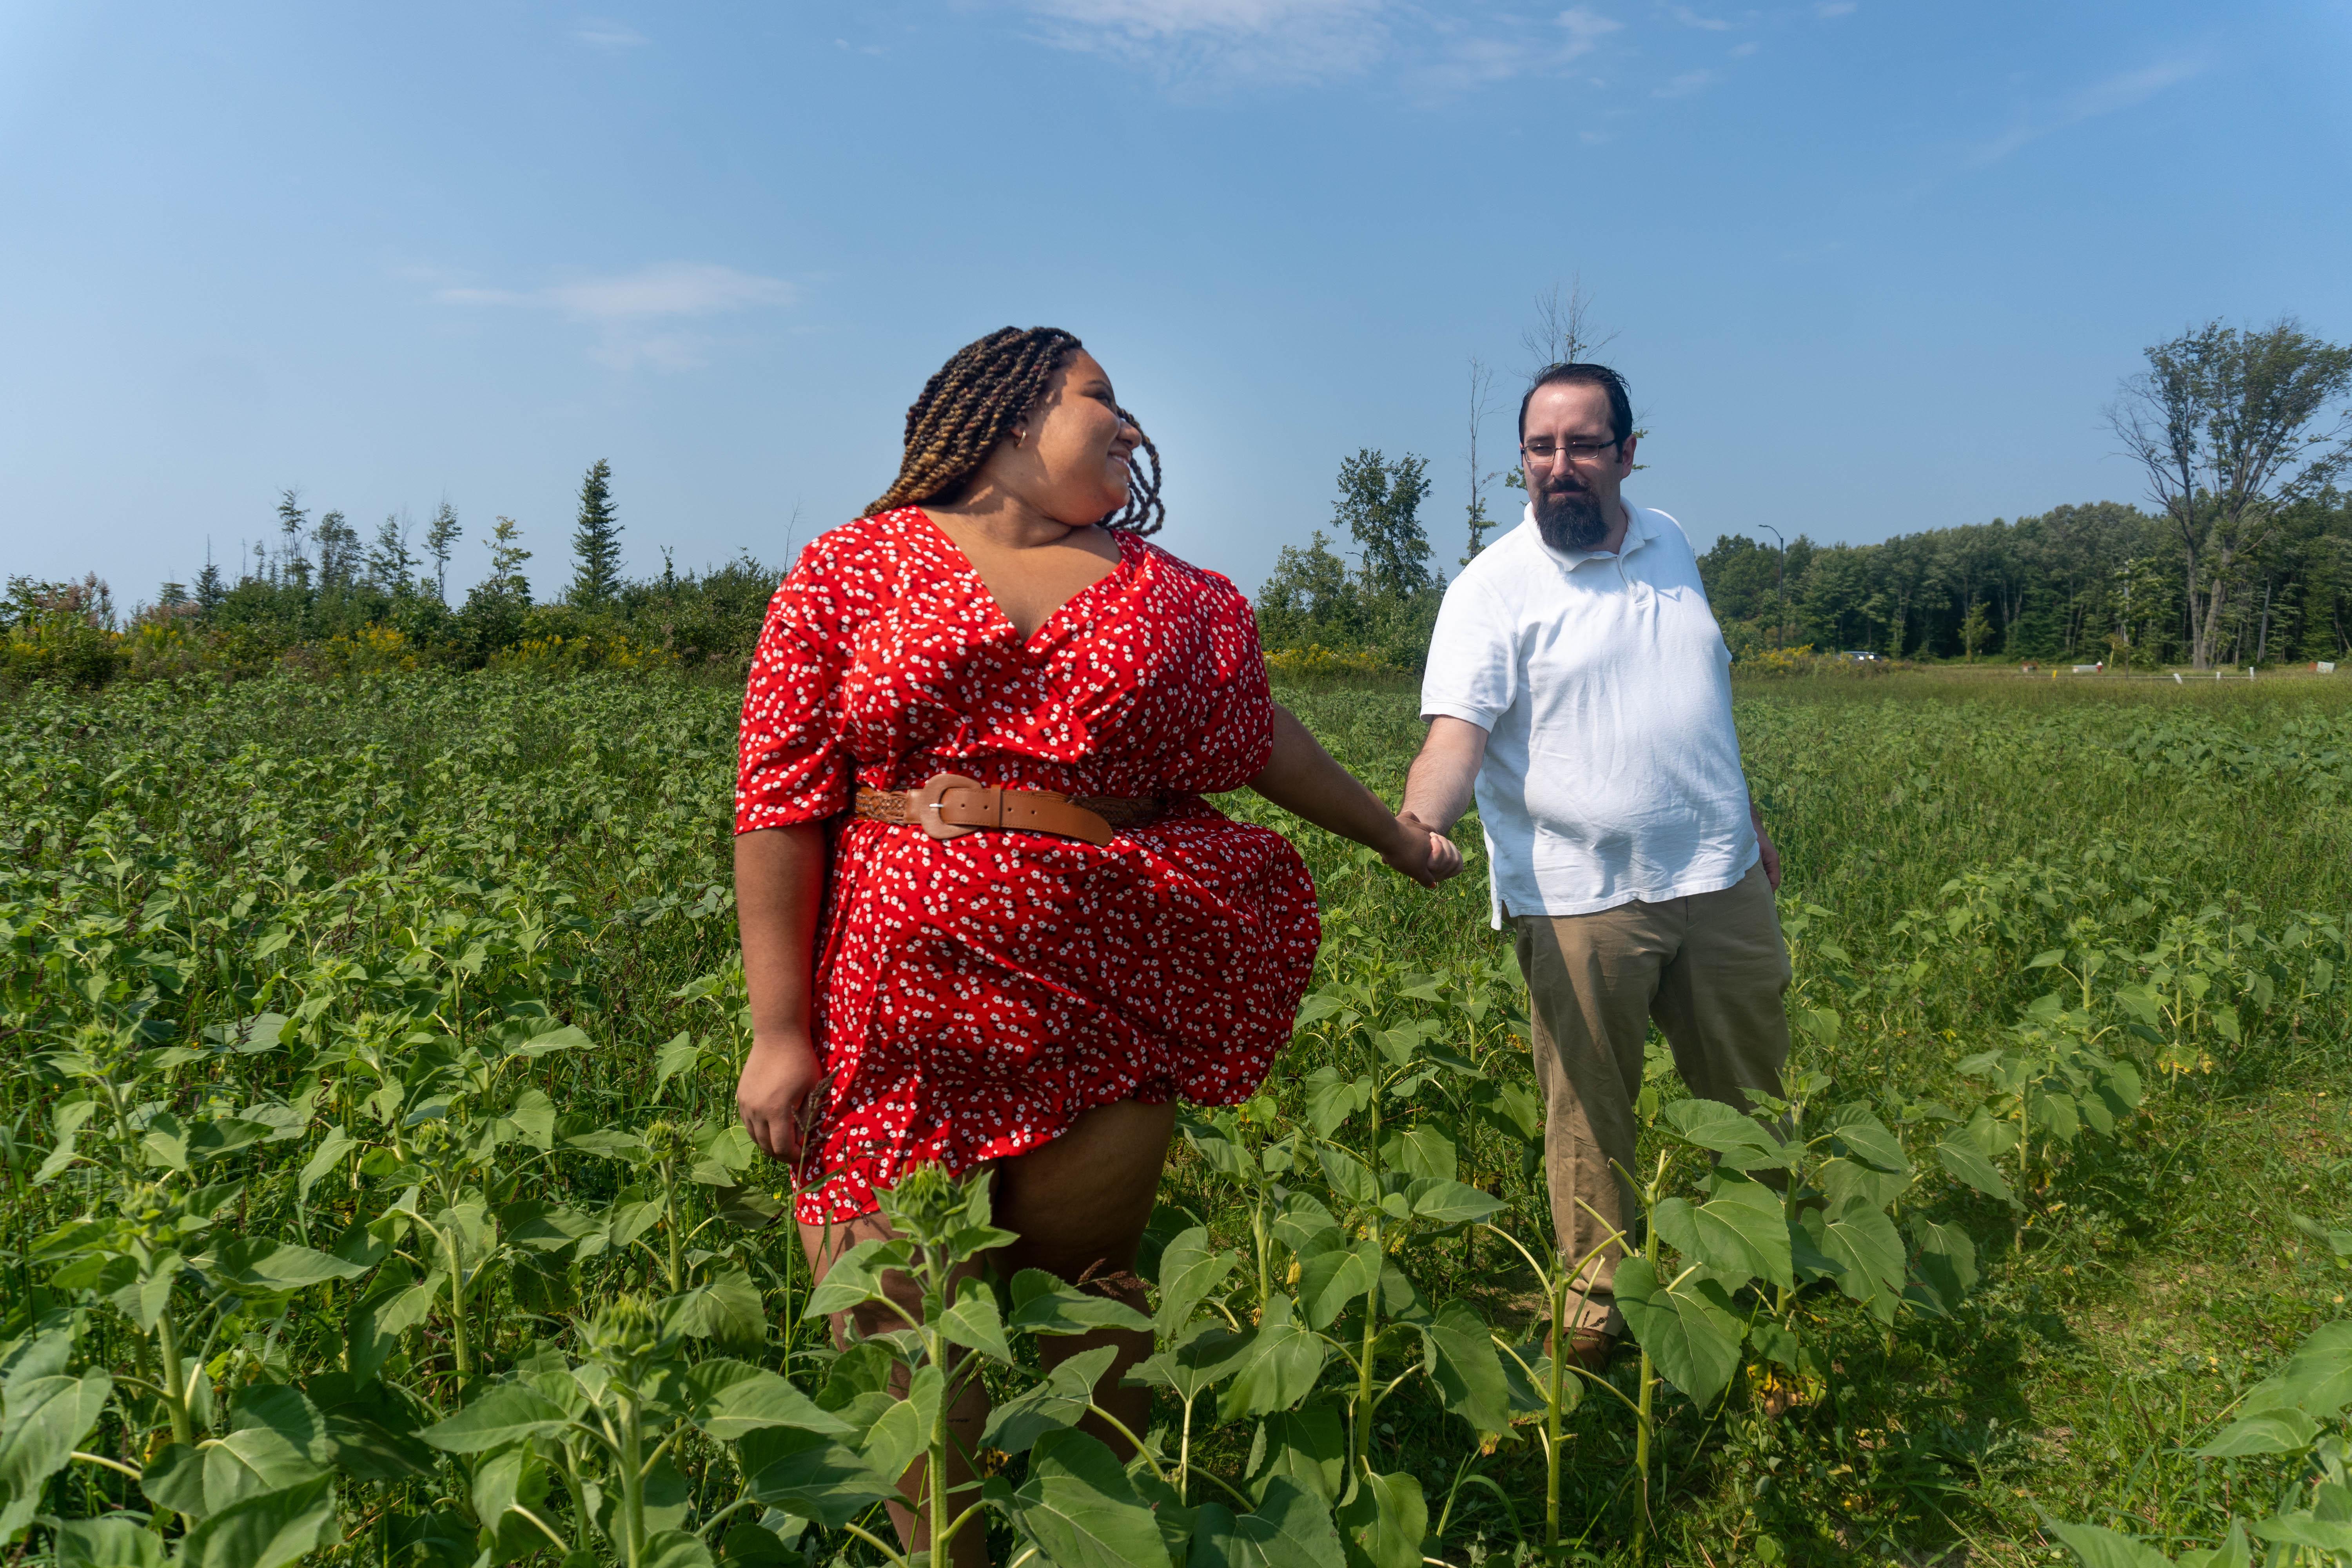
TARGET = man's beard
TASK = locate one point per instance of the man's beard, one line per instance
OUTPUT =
(1569, 520)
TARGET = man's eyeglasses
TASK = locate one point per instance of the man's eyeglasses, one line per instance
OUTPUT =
(1574, 451)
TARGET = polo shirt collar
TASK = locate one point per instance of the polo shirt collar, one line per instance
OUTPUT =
(1637, 533)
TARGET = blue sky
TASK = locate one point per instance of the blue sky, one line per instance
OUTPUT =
(1871, 267)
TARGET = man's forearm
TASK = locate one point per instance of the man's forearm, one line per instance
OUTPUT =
(1438, 789)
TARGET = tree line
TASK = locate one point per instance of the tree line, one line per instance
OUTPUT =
(2243, 554)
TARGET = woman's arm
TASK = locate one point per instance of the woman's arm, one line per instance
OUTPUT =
(779, 890)
(1302, 778)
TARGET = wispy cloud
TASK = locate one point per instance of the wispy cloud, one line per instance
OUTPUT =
(609, 35)
(634, 313)
(1687, 83)
(1281, 39)
(1690, 19)
(1829, 10)
(1209, 41)
(2115, 93)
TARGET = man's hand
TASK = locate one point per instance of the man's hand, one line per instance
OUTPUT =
(1765, 848)
(772, 1095)
(1421, 852)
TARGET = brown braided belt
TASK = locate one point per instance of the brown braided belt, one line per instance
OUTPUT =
(951, 806)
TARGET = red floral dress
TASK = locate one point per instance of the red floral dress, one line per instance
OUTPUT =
(974, 994)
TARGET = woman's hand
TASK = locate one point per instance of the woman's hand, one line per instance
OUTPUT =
(1421, 852)
(772, 1095)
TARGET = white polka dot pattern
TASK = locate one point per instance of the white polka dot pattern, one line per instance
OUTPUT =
(975, 995)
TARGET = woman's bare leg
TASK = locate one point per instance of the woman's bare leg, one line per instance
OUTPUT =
(967, 1418)
(1079, 1205)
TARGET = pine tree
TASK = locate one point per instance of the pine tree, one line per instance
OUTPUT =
(596, 541)
(211, 589)
(440, 538)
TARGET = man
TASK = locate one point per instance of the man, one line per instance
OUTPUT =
(1577, 678)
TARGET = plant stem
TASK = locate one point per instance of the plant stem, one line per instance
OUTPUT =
(632, 1482)
(670, 1214)
(175, 1384)
(1554, 1398)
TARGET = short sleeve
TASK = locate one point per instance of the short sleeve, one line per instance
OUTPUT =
(1244, 716)
(792, 766)
(1473, 673)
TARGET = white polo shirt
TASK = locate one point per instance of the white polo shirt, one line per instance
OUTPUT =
(1612, 770)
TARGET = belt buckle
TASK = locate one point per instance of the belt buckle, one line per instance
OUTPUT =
(928, 805)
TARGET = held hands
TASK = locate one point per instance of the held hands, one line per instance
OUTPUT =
(1421, 852)
(774, 1096)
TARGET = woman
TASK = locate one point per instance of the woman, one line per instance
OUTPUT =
(1035, 996)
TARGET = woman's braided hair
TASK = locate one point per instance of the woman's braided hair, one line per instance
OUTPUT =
(973, 402)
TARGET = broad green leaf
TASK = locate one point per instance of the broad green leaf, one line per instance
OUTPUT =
(973, 1322)
(534, 1115)
(1968, 1165)
(47, 1419)
(1350, 1177)
(511, 1475)
(1421, 1151)
(1448, 1203)
(727, 1310)
(252, 1267)
(854, 1278)
(1842, 1179)
(2317, 1380)
(1306, 1448)
(2272, 1432)
(173, 1478)
(675, 1549)
(1272, 1367)
(1192, 1367)
(1385, 1521)
(286, 1412)
(267, 1531)
(1745, 1144)
(682, 1053)
(2329, 1537)
(1190, 1273)
(110, 1541)
(1466, 1369)
(1868, 1251)
(506, 1413)
(250, 1463)
(1016, 1423)
(1043, 1305)
(1866, 1139)
(810, 1475)
(729, 1398)
(1948, 1263)
(1290, 1528)
(2100, 1548)
(1741, 1232)
(1690, 1330)
(325, 1158)
(1329, 1281)
(1079, 1509)
(904, 1431)
(2233, 1552)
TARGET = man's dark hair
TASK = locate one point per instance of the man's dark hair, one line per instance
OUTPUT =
(1620, 406)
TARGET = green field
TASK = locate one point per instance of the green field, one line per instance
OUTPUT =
(369, 1098)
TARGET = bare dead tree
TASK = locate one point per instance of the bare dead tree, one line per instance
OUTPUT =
(1482, 406)
(1564, 332)
(2230, 427)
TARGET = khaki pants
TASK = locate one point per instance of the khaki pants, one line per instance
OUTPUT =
(1711, 969)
